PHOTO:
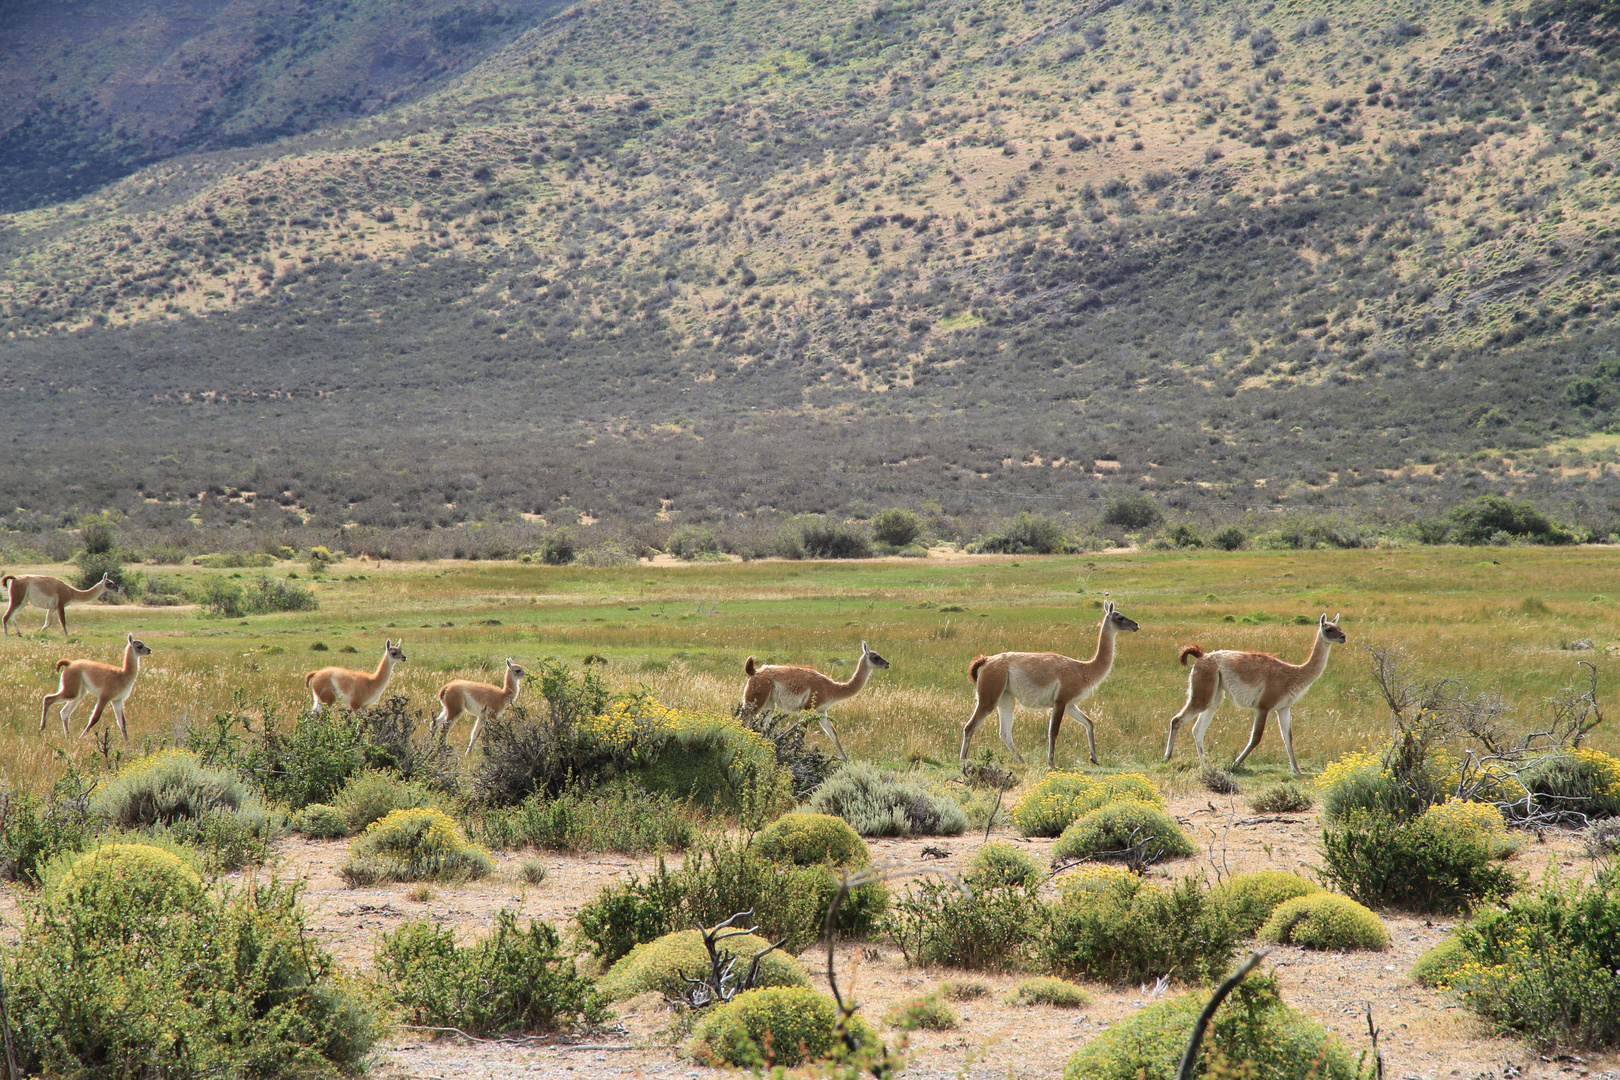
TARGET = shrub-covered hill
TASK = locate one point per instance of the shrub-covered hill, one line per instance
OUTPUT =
(722, 256)
(92, 92)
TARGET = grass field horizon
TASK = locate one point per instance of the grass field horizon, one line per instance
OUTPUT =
(1500, 620)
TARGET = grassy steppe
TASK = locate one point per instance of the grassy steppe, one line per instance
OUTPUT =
(1496, 618)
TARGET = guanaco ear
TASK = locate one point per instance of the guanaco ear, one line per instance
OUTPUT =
(864, 649)
(1336, 615)
(131, 638)
(1108, 607)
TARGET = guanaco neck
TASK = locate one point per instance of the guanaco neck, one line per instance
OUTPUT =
(513, 685)
(858, 680)
(88, 594)
(132, 663)
(1103, 659)
(1316, 663)
(384, 666)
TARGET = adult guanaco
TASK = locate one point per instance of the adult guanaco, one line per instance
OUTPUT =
(355, 689)
(1044, 680)
(484, 701)
(794, 688)
(111, 686)
(1253, 680)
(51, 593)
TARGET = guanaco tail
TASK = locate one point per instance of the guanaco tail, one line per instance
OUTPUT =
(794, 688)
(1044, 681)
(111, 686)
(1253, 680)
(484, 701)
(51, 593)
(355, 689)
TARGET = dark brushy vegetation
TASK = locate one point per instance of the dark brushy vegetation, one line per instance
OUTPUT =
(958, 262)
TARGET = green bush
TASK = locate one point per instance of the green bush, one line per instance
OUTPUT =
(1544, 966)
(1133, 513)
(1579, 785)
(1130, 831)
(929, 1012)
(35, 830)
(718, 879)
(964, 991)
(1119, 928)
(896, 526)
(228, 839)
(1288, 797)
(663, 963)
(805, 839)
(1249, 899)
(776, 1026)
(1049, 990)
(985, 928)
(311, 762)
(1230, 538)
(513, 980)
(376, 793)
(1026, 534)
(1323, 920)
(1437, 967)
(1479, 521)
(414, 845)
(617, 818)
(825, 539)
(127, 968)
(321, 822)
(1602, 839)
(690, 542)
(1001, 863)
(1359, 783)
(879, 804)
(170, 785)
(1253, 1030)
(1054, 803)
(1383, 861)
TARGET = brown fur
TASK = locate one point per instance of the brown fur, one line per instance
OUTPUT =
(1255, 680)
(484, 701)
(354, 689)
(1008, 677)
(796, 688)
(111, 685)
(51, 593)
(1194, 650)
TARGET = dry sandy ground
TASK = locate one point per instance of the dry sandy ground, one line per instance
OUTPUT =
(1424, 1034)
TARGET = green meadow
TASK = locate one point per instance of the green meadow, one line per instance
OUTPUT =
(1499, 619)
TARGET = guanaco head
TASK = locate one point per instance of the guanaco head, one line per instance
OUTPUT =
(873, 658)
(395, 650)
(138, 645)
(516, 673)
(107, 582)
(1117, 620)
(1330, 630)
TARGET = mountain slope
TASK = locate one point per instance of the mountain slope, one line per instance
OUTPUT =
(735, 256)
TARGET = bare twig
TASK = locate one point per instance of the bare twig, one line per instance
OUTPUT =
(1189, 1057)
(1372, 1033)
(993, 811)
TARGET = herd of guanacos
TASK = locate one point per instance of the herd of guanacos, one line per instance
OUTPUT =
(1038, 680)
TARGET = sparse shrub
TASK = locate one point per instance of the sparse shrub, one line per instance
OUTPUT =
(414, 845)
(606, 555)
(808, 766)
(125, 951)
(1219, 781)
(1324, 920)
(1578, 784)
(35, 830)
(1049, 990)
(512, 980)
(1131, 831)
(1383, 861)
(878, 804)
(171, 786)
(1001, 863)
(1133, 513)
(1230, 538)
(1249, 899)
(806, 839)
(1253, 1034)
(376, 793)
(1439, 965)
(987, 928)
(662, 965)
(1288, 797)
(1026, 534)
(896, 527)
(617, 818)
(1602, 839)
(964, 991)
(931, 1012)
(825, 539)
(1120, 928)
(1054, 803)
(776, 1026)
(319, 821)
(267, 595)
(311, 762)
(1543, 966)
(533, 871)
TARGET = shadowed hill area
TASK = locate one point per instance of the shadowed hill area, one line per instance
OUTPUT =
(712, 258)
(92, 91)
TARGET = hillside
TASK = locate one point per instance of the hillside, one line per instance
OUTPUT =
(702, 259)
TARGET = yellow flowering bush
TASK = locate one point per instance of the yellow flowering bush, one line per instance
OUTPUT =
(1091, 878)
(786, 1025)
(1584, 783)
(663, 963)
(1476, 822)
(1054, 803)
(417, 844)
(687, 754)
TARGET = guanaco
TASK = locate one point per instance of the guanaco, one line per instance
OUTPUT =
(794, 688)
(484, 701)
(51, 593)
(1044, 680)
(355, 689)
(1253, 680)
(111, 685)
